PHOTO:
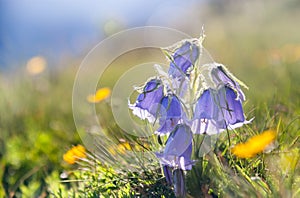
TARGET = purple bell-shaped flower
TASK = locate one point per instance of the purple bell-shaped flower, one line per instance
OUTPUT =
(148, 102)
(184, 58)
(215, 76)
(178, 150)
(218, 110)
(221, 76)
(170, 114)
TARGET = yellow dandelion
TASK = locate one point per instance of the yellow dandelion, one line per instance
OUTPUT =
(79, 151)
(254, 145)
(100, 95)
(75, 153)
(36, 65)
(69, 157)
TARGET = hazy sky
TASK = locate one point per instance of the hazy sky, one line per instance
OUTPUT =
(55, 28)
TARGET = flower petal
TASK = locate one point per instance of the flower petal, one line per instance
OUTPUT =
(184, 58)
(148, 102)
(178, 150)
(221, 76)
(218, 110)
(170, 114)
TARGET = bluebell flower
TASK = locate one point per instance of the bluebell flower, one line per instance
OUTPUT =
(221, 75)
(170, 114)
(148, 102)
(218, 110)
(184, 58)
(216, 75)
(178, 150)
(192, 98)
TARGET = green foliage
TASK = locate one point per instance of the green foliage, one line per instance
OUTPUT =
(33, 130)
(102, 181)
(276, 173)
(37, 127)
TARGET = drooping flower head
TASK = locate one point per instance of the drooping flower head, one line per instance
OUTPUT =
(170, 112)
(153, 104)
(216, 75)
(218, 110)
(148, 101)
(178, 149)
(184, 57)
(176, 157)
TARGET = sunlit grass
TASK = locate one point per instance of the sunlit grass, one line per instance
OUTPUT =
(31, 126)
(38, 116)
(37, 128)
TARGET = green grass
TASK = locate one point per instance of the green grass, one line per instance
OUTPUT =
(35, 118)
(37, 127)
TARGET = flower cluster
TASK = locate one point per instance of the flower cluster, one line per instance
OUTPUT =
(191, 98)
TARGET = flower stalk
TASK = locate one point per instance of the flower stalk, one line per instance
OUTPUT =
(194, 97)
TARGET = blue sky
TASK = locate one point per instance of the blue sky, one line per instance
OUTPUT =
(55, 28)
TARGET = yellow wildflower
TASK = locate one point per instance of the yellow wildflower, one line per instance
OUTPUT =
(126, 145)
(143, 147)
(79, 151)
(36, 65)
(100, 95)
(69, 158)
(122, 147)
(254, 145)
(75, 153)
(112, 150)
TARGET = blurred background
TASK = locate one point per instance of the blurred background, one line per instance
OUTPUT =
(58, 30)
(42, 44)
